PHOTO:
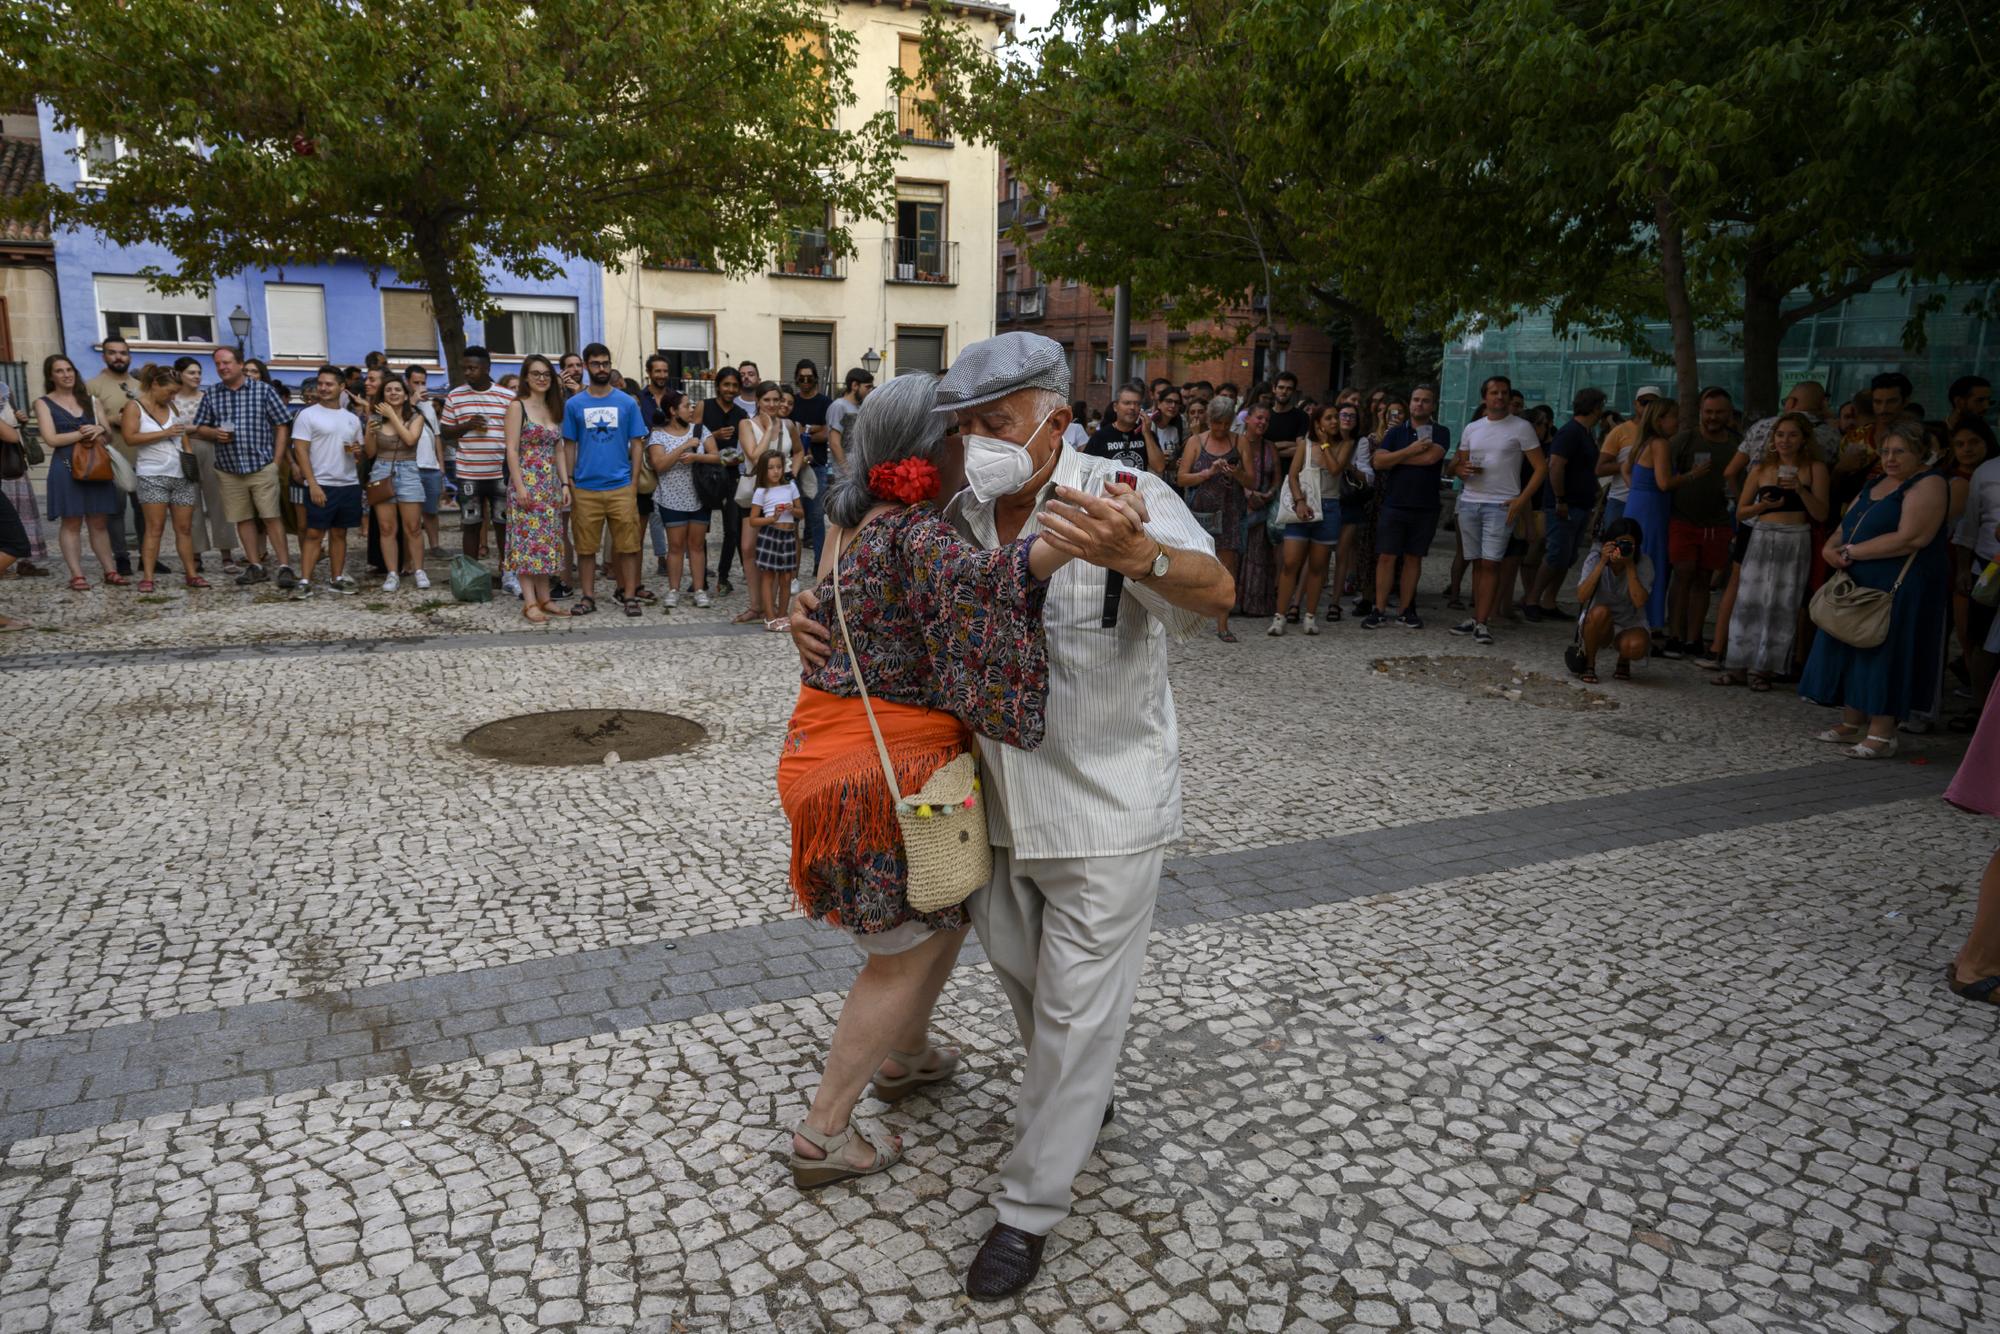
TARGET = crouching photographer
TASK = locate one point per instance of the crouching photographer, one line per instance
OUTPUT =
(1617, 578)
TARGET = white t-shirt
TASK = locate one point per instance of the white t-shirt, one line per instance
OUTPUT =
(162, 458)
(1496, 448)
(427, 442)
(327, 433)
(1982, 513)
(767, 499)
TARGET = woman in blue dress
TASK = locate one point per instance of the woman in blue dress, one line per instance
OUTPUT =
(66, 414)
(1649, 471)
(1890, 539)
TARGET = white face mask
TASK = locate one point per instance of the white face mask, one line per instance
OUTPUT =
(995, 467)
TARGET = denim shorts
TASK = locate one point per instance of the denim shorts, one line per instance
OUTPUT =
(1325, 530)
(680, 518)
(433, 479)
(1483, 530)
(408, 477)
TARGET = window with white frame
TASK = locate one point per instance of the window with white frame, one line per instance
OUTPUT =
(132, 309)
(295, 314)
(96, 155)
(686, 341)
(527, 324)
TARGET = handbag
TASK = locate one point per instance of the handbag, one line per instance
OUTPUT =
(382, 489)
(946, 847)
(13, 461)
(746, 487)
(122, 474)
(190, 466)
(712, 486)
(1853, 614)
(808, 480)
(90, 461)
(1986, 590)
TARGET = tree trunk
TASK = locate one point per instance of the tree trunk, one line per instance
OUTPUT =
(1372, 353)
(1763, 330)
(446, 308)
(1680, 311)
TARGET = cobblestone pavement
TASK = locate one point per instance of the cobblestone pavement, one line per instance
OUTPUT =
(1462, 1013)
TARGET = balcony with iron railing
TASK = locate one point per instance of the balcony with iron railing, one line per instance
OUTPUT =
(809, 255)
(1024, 211)
(920, 260)
(919, 120)
(1023, 303)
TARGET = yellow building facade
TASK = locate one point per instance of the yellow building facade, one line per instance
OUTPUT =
(917, 289)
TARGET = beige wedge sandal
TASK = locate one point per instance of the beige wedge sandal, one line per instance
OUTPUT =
(932, 1065)
(812, 1173)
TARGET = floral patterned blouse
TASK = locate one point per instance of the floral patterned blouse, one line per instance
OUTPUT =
(938, 623)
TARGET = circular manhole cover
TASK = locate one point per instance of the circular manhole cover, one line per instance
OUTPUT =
(584, 736)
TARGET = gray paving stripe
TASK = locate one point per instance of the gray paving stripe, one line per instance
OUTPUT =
(606, 632)
(92, 1077)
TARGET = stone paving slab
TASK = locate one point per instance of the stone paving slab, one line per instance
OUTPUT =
(1687, 1086)
(133, 1070)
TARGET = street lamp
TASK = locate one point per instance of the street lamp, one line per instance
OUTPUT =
(871, 361)
(239, 324)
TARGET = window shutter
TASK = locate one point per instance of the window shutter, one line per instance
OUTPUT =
(678, 333)
(297, 318)
(409, 326)
(811, 342)
(919, 350)
(118, 293)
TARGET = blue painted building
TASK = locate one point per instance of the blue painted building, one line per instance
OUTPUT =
(299, 317)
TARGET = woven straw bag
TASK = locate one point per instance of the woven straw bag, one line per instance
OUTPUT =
(945, 843)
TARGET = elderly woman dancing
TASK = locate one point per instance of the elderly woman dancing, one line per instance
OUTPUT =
(948, 639)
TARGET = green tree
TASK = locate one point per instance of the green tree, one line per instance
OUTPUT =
(1178, 155)
(436, 137)
(1731, 154)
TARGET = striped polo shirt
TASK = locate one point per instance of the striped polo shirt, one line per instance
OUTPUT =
(482, 453)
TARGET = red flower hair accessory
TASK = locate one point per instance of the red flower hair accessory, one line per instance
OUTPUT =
(910, 481)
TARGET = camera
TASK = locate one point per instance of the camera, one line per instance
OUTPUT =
(1626, 547)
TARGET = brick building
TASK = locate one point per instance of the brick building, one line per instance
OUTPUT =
(1079, 317)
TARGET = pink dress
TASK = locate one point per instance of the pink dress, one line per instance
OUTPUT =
(1976, 785)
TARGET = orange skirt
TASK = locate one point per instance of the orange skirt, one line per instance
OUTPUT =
(830, 778)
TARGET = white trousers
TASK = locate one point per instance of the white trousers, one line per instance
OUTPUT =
(1067, 939)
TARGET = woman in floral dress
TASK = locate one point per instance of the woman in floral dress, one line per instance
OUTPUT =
(541, 490)
(949, 640)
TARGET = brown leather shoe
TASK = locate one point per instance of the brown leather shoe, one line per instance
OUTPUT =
(1007, 1262)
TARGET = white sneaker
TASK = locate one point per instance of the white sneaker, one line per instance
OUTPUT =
(1277, 630)
(673, 597)
(1312, 624)
(423, 580)
(701, 597)
(392, 582)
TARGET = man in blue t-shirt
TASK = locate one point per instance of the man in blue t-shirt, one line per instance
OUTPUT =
(1569, 498)
(602, 435)
(1409, 469)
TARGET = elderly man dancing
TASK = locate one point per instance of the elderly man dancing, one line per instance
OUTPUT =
(1081, 825)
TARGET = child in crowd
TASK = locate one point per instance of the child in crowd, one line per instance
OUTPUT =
(778, 515)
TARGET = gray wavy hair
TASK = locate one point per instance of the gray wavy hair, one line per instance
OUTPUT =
(895, 422)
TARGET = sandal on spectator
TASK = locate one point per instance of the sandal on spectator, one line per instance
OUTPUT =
(1861, 750)
(1839, 734)
(1986, 989)
(1729, 679)
(1624, 671)
(1759, 684)
(632, 607)
(532, 613)
(551, 609)
(79, 585)
(584, 606)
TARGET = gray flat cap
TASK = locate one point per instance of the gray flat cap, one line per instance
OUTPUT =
(998, 366)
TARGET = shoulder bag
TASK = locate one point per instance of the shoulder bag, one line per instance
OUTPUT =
(13, 461)
(945, 842)
(1853, 614)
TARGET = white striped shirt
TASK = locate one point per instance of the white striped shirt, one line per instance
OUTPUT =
(1107, 778)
